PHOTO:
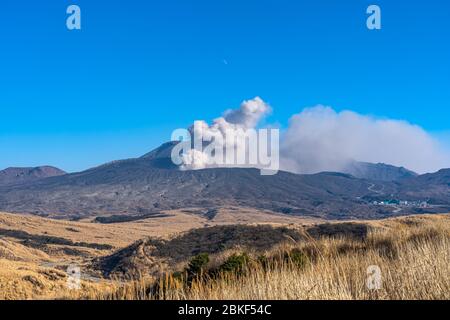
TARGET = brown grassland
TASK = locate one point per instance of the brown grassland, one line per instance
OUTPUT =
(412, 252)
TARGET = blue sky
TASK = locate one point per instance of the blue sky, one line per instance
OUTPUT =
(139, 69)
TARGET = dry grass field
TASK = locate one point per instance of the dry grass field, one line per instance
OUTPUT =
(316, 260)
(35, 251)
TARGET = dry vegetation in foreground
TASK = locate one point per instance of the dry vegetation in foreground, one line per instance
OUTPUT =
(35, 251)
(310, 261)
(413, 254)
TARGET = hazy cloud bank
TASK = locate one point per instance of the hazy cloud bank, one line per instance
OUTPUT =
(320, 139)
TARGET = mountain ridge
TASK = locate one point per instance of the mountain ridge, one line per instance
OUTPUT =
(377, 171)
(15, 175)
(151, 183)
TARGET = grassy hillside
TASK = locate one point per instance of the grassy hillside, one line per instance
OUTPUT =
(35, 252)
(413, 254)
(214, 259)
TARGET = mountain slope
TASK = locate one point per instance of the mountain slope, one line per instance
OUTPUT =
(151, 183)
(136, 186)
(432, 187)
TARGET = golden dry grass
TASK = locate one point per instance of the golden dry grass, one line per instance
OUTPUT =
(24, 280)
(27, 272)
(413, 254)
(122, 234)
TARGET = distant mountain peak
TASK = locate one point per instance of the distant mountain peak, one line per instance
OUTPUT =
(161, 156)
(377, 171)
(162, 152)
(15, 175)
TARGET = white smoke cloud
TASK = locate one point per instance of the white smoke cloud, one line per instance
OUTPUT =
(321, 139)
(231, 126)
(194, 160)
(249, 114)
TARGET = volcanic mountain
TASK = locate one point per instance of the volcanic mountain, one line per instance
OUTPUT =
(151, 184)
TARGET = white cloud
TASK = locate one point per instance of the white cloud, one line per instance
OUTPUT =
(321, 139)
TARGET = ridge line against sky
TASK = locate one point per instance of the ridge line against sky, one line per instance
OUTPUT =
(136, 71)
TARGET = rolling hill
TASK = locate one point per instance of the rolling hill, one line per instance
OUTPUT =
(11, 176)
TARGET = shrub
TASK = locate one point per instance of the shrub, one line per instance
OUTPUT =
(297, 258)
(198, 264)
(236, 263)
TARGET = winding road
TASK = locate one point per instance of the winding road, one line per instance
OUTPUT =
(371, 188)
